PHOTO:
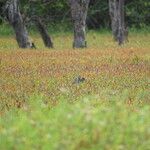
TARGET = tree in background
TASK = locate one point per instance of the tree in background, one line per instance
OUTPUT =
(121, 25)
(14, 17)
(43, 32)
(79, 9)
(113, 11)
(56, 15)
(34, 13)
(117, 15)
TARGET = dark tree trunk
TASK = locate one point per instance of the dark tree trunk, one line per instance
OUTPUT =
(79, 9)
(43, 32)
(15, 19)
(113, 10)
(116, 10)
(121, 32)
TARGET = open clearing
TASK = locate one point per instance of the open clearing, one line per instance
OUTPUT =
(41, 108)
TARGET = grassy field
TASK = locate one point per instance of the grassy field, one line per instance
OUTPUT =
(41, 108)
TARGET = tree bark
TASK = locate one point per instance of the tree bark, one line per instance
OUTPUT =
(79, 9)
(43, 32)
(121, 32)
(117, 15)
(15, 19)
(113, 11)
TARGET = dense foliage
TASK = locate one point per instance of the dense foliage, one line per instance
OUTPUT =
(56, 11)
(137, 13)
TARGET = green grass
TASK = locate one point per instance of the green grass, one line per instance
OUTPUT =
(91, 124)
(55, 29)
(63, 28)
(5, 30)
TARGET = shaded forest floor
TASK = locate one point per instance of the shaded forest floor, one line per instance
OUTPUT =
(42, 108)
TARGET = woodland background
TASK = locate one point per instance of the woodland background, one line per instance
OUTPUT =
(58, 12)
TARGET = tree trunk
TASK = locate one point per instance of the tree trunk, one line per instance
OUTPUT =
(113, 11)
(43, 32)
(116, 10)
(15, 19)
(79, 9)
(121, 32)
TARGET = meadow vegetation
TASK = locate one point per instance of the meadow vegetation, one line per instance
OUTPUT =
(41, 108)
